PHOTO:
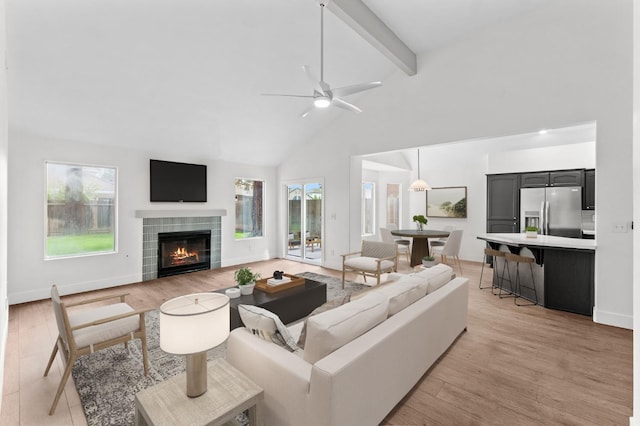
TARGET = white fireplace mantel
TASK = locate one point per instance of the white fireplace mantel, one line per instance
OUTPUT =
(142, 214)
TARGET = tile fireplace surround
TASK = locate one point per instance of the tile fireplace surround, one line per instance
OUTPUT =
(156, 221)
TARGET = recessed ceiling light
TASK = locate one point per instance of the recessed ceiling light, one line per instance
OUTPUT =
(543, 132)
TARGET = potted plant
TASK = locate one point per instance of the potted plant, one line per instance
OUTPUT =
(420, 220)
(428, 261)
(246, 280)
(531, 231)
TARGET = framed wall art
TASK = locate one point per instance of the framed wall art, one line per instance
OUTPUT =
(447, 202)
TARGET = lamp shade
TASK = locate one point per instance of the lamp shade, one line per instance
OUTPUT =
(194, 323)
(419, 185)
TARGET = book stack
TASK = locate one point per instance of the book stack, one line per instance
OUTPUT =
(274, 282)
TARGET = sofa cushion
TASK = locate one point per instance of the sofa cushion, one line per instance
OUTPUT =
(330, 330)
(266, 325)
(327, 306)
(437, 275)
(368, 264)
(404, 292)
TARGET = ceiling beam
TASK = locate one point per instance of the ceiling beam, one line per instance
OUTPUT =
(366, 23)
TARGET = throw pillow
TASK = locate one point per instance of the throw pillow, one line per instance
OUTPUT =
(266, 325)
(330, 330)
(334, 303)
(437, 275)
(403, 293)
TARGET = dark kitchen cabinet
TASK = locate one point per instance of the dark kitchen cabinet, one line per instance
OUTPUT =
(559, 178)
(534, 180)
(589, 190)
(503, 200)
(503, 226)
(566, 178)
(569, 280)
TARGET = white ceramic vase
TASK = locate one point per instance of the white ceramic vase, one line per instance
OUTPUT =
(247, 288)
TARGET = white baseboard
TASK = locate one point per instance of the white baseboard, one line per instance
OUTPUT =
(72, 288)
(612, 318)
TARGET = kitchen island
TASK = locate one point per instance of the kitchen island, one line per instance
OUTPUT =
(563, 270)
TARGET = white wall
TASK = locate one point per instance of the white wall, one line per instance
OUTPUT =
(635, 420)
(30, 276)
(4, 143)
(568, 62)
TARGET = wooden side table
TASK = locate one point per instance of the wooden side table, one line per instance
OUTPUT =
(229, 393)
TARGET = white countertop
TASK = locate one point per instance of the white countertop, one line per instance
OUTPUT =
(539, 241)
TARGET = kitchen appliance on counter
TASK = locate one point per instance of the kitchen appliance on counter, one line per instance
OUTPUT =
(554, 210)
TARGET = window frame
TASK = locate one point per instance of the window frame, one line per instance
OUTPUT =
(116, 171)
(363, 231)
(262, 217)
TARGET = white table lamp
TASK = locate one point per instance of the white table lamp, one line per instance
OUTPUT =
(191, 325)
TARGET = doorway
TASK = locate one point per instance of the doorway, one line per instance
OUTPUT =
(304, 222)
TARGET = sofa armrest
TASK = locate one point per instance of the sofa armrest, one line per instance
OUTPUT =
(283, 375)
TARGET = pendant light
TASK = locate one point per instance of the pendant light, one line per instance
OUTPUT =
(419, 185)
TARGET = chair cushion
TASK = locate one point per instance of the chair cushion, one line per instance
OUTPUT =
(103, 332)
(437, 275)
(368, 264)
(330, 330)
(267, 326)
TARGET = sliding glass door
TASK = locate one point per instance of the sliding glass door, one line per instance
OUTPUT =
(304, 221)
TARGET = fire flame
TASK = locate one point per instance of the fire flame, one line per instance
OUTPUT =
(181, 256)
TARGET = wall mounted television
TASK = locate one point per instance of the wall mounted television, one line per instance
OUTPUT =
(177, 182)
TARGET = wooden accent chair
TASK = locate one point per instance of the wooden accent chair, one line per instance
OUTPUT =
(374, 259)
(89, 330)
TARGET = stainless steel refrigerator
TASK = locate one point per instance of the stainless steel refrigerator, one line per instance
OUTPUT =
(553, 210)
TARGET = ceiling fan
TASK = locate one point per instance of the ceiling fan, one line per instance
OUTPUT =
(323, 95)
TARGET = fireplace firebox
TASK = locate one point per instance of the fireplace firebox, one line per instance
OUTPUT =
(182, 252)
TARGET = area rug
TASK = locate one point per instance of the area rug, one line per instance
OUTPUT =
(108, 380)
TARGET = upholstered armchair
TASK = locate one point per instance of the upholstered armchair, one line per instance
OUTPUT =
(374, 259)
(88, 330)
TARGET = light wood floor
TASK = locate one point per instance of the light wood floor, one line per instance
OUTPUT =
(514, 365)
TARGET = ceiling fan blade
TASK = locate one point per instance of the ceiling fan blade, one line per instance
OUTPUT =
(350, 90)
(318, 85)
(306, 112)
(282, 94)
(345, 105)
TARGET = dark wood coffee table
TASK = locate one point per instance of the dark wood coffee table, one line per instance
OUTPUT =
(290, 305)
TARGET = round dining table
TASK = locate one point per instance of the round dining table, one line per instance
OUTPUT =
(420, 246)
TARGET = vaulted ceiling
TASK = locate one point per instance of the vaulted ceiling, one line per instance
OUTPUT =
(186, 76)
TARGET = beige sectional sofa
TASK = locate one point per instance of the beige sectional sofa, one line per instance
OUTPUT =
(361, 358)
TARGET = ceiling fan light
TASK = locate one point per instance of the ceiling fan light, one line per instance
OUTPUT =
(321, 102)
(419, 185)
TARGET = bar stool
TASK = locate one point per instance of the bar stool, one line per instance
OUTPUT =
(510, 257)
(489, 252)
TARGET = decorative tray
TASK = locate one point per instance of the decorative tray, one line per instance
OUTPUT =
(263, 286)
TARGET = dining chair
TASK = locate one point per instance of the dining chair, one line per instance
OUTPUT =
(401, 246)
(451, 248)
(441, 241)
(84, 331)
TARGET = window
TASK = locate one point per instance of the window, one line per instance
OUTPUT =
(249, 203)
(81, 210)
(393, 205)
(368, 208)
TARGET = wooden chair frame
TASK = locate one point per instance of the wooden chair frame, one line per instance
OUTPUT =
(379, 269)
(67, 347)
